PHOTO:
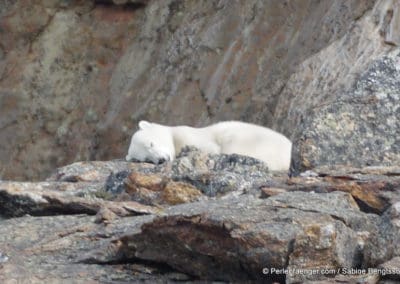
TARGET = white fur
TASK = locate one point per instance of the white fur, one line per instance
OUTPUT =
(154, 142)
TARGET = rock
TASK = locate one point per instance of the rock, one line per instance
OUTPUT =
(153, 189)
(231, 238)
(115, 183)
(151, 182)
(384, 243)
(390, 269)
(3, 258)
(142, 194)
(81, 74)
(105, 215)
(95, 171)
(138, 2)
(359, 128)
(77, 76)
(350, 278)
(217, 175)
(192, 176)
(359, 99)
(337, 204)
(392, 31)
(271, 191)
(180, 192)
(375, 189)
(307, 229)
(48, 249)
(56, 198)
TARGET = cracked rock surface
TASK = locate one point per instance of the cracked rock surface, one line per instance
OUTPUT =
(160, 227)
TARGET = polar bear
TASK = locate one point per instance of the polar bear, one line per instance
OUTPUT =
(159, 143)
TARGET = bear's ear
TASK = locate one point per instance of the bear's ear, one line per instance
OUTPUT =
(143, 124)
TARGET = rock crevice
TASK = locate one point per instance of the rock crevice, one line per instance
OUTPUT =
(308, 223)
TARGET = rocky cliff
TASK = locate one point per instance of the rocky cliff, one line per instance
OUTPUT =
(204, 217)
(76, 76)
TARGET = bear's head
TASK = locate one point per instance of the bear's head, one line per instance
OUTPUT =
(151, 143)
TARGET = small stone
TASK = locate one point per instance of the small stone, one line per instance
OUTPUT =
(395, 211)
(3, 258)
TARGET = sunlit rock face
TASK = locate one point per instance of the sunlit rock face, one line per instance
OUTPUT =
(76, 76)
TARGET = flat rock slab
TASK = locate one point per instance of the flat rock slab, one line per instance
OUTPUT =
(235, 238)
(48, 249)
(57, 198)
(95, 170)
(374, 189)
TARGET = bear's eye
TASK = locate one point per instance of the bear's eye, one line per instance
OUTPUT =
(151, 145)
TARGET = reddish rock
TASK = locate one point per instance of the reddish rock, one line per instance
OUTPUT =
(374, 189)
(180, 192)
(152, 182)
(77, 76)
(156, 189)
(271, 191)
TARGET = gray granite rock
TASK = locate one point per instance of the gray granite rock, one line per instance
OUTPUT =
(57, 198)
(49, 250)
(361, 127)
(219, 174)
(384, 243)
(235, 238)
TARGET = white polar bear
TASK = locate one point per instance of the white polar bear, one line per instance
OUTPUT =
(159, 143)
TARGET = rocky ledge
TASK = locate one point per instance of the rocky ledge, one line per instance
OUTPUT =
(201, 218)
